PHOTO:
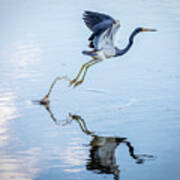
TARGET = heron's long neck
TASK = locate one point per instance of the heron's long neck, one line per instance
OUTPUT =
(130, 43)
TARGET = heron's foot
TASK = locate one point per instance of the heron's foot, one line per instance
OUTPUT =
(78, 83)
(45, 100)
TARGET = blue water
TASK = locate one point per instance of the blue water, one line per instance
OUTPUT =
(124, 119)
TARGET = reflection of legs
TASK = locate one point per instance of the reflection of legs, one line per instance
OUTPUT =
(85, 72)
(45, 100)
(81, 123)
(54, 82)
(83, 66)
(141, 157)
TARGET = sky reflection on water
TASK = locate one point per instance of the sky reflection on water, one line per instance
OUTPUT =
(135, 96)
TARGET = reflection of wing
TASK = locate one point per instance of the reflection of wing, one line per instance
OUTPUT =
(102, 154)
(104, 28)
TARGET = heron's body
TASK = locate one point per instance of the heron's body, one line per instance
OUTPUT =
(101, 41)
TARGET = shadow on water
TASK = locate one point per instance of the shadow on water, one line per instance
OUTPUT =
(102, 157)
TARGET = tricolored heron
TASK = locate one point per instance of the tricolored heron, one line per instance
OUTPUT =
(103, 28)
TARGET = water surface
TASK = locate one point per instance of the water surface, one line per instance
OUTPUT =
(121, 123)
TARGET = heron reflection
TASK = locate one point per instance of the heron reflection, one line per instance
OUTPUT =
(102, 157)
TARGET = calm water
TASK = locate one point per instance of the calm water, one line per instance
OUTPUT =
(123, 122)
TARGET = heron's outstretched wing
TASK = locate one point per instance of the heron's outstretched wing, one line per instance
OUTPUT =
(105, 40)
(92, 19)
(103, 26)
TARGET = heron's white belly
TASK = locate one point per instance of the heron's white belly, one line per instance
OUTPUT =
(104, 54)
(100, 55)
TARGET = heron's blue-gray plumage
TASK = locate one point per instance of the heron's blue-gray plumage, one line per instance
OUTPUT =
(91, 19)
(99, 28)
(104, 28)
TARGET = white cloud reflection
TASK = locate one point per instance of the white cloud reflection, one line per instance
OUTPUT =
(13, 165)
(19, 166)
(74, 156)
(8, 112)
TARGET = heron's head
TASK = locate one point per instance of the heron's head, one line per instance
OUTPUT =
(141, 29)
(138, 30)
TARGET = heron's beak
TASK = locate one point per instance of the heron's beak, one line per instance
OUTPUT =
(146, 30)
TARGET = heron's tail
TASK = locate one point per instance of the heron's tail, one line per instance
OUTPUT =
(89, 53)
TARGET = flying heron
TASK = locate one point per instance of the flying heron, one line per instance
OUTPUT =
(101, 41)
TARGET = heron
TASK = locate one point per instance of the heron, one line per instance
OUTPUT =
(101, 41)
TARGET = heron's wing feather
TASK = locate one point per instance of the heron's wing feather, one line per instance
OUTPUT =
(91, 19)
(100, 28)
(105, 39)
(104, 28)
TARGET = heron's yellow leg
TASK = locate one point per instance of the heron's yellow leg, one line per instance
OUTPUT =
(85, 72)
(83, 66)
